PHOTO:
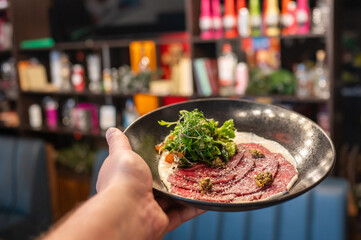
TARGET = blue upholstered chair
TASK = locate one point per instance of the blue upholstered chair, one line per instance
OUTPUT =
(25, 208)
(102, 154)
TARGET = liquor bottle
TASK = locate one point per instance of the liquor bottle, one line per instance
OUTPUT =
(51, 112)
(78, 78)
(94, 72)
(243, 19)
(304, 81)
(35, 116)
(65, 72)
(130, 113)
(320, 17)
(107, 80)
(284, 16)
(217, 19)
(226, 68)
(303, 17)
(321, 86)
(272, 13)
(241, 78)
(255, 17)
(230, 20)
(289, 17)
(263, 17)
(205, 20)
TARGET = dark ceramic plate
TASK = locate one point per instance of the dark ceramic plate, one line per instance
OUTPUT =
(308, 144)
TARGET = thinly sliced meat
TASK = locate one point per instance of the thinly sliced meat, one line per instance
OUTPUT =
(247, 185)
(201, 170)
(236, 183)
(275, 188)
(200, 196)
(248, 198)
(286, 170)
(220, 183)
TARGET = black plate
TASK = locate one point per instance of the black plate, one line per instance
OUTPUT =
(308, 144)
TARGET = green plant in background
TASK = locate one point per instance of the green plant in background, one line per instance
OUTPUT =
(277, 82)
(282, 82)
(258, 84)
(80, 157)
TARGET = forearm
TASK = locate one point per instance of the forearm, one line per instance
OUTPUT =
(111, 214)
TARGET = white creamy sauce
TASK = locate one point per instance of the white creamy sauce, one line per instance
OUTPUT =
(165, 168)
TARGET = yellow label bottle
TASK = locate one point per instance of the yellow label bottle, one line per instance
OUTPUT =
(272, 14)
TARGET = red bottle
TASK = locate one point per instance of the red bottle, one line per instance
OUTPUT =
(230, 20)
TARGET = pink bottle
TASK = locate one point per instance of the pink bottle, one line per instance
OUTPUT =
(303, 17)
(205, 20)
(217, 19)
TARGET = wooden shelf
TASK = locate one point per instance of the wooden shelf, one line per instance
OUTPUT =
(197, 39)
(86, 93)
(98, 44)
(65, 131)
(5, 52)
(277, 98)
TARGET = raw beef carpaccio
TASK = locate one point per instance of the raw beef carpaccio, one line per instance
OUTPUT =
(236, 181)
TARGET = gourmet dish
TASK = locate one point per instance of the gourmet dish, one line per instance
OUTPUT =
(202, 161)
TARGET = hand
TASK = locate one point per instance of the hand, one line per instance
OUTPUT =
(126, 169)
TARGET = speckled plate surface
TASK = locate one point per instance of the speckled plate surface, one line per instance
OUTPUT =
(306, 141)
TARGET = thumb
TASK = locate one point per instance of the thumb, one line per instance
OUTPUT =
(117, 140)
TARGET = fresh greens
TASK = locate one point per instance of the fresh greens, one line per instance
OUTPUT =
(198, 139)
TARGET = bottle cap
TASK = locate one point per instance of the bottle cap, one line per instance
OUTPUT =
(227, 47)
(320, 55)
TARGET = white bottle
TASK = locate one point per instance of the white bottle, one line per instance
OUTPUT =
(129, 114)
(241, 78)
(243, 22)
(107, 117)
(304, 83)
(226, 70)
(321, 86)
(35, 116)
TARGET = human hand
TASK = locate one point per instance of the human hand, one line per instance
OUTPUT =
(127, 171)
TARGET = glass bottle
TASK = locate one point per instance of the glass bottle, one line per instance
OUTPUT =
(226, 68)
(272, 13)
(321, 88)
(320, 17)
(304, 83)
(303, 16)
(255, 17)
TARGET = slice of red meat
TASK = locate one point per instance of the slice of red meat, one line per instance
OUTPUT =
(220, 183)
(247, 185)
(236, 183)
(196, 195)
(286, 170)
(248, 197)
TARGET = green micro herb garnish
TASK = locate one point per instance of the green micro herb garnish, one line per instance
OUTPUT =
(198, 139)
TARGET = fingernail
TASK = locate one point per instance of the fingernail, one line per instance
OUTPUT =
(109, 132)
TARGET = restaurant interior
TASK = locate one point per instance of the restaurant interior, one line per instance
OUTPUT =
(70, 70)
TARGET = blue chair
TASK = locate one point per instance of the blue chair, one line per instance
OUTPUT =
(25, 209)
(102, 154)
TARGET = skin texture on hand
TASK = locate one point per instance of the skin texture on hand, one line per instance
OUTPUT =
(125, 207)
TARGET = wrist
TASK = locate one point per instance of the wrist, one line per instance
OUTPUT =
(144, 217)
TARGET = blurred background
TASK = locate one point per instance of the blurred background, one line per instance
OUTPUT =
(70, 69)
